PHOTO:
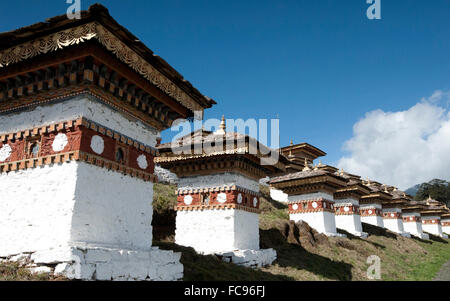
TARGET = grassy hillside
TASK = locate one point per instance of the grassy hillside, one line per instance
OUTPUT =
(303, 254)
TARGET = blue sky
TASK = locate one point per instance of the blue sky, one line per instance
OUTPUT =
(319, 65)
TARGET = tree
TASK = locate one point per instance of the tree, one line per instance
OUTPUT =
(437, 189)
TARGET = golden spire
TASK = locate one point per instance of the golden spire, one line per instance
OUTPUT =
(306, 166)
(292, 142)
(341, 172)
(385, 188)
(368, 182)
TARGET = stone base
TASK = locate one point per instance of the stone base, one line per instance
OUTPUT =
(250, 258)
(100, 263)
(405, 234)
(424, 236)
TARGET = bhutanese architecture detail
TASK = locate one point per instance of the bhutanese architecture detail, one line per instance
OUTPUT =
(392, 210)
(371, 204)
(347, 207)
(311, 197)
(218, 193)
(297, 155)
(412, 219)
(432, 217)
(82, 103)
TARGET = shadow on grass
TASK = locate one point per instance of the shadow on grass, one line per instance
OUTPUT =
(353, 237)
(210, 268)
(421, 240)
(378, 231)
(436, 238)
(295, 256)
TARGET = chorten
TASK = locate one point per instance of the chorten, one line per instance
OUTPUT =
(298, 155)
(431, 217)
(371, 204)
(82, 103)
(218, 192)
(392, 210)
(311, 196)
(347, 207)
(412, 220)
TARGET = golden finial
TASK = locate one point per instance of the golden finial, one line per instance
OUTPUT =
(292, 142)
(386, 188)
(341, 172)
(320, 163)
(395, 188)
(306, 166)
(404, 194)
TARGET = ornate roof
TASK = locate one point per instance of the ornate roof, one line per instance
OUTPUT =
(59, 34)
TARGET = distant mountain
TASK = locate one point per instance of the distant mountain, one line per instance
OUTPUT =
(413, 190)
(437, 189)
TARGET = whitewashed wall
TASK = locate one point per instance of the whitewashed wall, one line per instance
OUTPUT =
(322, 222)
(212, 231)
(373, 220)
(435, 229)
(36, 208)
(415, 228)
(52, 206)
(218, 180)
(79, 106)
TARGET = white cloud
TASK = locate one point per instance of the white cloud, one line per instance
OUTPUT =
(402, 148)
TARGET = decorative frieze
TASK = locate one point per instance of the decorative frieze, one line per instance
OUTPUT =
(412, 219)
(346, 209)
(392, 215)
(79, 139)
(370, 212)
(433, 221)
(311, 206)
(219, 199)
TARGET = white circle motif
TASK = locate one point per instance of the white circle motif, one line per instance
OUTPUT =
(433, 222)
(255, 202)
(188, 199)
(295, 206)
(60, 142)
(5, 152)
(314, 204)
(411, 218)
(370, 211)
(97, 144)
(346, 209)
(239, 198)
(142, 162)
(222, 198)
(392, 214)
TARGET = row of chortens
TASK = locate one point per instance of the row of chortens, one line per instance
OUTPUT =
(82, 105)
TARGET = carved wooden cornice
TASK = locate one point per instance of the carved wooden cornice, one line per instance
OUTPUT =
(95, 31)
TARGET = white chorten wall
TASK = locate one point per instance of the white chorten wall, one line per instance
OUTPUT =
(218, 180)
(432, 224)
(412, 224)
(347, 216)
(228, 232)
(322, 221)
(213, 231)
(445, 222)
(393, 221)
(369, 214)
(54, 211)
